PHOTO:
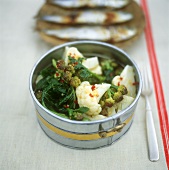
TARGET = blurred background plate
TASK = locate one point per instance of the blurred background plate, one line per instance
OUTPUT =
(137, 22)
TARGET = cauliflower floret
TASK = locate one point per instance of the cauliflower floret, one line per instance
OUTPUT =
(89, 96)
(126, 78)
(71, 52)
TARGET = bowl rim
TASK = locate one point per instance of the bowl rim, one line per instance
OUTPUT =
(115, 116)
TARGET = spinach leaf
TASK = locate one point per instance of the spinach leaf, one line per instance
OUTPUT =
(49, 71)
(57, 95)
(43, 83)
(70, 97)
(82, 109)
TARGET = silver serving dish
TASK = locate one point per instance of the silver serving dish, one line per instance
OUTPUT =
(85, 134)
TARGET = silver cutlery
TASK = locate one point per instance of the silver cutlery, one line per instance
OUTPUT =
(151, 133)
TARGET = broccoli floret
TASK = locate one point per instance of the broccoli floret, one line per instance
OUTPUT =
(60, 64)
(113, 95)
(75, 81)
(109, 102)
(67, 76)
(122, 89)
(118, 96)
(108, 70)
(107, 65)
(78, 116)
(108, 93)
(102, 103)
(70, 68)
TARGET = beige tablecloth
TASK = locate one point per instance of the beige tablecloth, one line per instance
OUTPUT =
(23, 145)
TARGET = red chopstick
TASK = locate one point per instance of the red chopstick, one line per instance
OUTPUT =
(162, 111)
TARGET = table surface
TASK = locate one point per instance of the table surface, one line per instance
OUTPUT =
(24, 145)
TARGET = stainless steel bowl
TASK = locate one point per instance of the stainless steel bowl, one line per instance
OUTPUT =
(88, 134)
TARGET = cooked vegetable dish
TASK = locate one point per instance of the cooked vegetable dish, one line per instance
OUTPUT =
(85, 89)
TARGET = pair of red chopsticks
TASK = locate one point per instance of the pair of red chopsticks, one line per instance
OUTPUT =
(162, 111)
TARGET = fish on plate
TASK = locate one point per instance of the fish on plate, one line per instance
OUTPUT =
(101, 33)
(90, 3)
(90, 17)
